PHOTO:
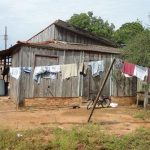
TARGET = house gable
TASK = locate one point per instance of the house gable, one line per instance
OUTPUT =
(62, 31)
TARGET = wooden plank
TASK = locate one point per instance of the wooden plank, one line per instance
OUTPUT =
(45, 35)
(86, 78)
(75, 80)
(59, 82)
(67, 84)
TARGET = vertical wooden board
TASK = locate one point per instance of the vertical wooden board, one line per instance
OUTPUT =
(67, 84)
(68, 36)
(22, 78)
(87, 77)
(75, 86)
(53, 32)
(120, 86)
(32, 64)
(13, 81)
(64, 35)
(45, 35)
(75, 80)
(107, 61)
(59, 37)
(130, 87)
(78, 39)
(93, 88)
(114, 88)
(30, 75)
(56, 33)
(134, 86)
(75, 38)
(19, 95)
(59, 81)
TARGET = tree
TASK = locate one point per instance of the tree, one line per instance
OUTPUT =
(127, 32)
(138, 51)
(92, 24)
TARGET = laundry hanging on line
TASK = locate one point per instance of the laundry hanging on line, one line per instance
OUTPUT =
(15, 72)
(45, 72)
(69, 70)
(27, 69)
(97, 67)
(148, 77)
(140, 72)
(118, 64)
(83, 68)
(130, 70)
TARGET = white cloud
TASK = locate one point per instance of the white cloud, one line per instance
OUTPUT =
(25, 18)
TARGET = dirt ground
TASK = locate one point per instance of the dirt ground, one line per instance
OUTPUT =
(118, 120)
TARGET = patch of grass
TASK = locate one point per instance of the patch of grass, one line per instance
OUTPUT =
(139, 140)
(90, 137)
(30, 140)
(142, 114)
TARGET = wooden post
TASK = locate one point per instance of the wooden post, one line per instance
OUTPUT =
(101, 88)
(146, 96)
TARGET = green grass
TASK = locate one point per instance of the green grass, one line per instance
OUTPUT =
(30, 140)
(142, 114)
(92, 137)
(86, 137)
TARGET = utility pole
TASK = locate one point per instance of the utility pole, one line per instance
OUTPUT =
(5, 38)
(5, 58)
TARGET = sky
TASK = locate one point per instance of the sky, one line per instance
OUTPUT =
(25, 18)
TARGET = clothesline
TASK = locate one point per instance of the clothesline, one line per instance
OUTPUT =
(67, 70)
(130, 70)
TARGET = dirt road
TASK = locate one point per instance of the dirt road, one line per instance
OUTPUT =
(119, 120)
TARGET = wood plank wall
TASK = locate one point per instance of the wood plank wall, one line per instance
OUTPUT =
(54, 32)
(62, 34)
(15, 84)
(75, 86)
(45, 35)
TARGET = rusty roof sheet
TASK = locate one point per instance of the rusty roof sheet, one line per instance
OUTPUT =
(72, 46)
(59, 45)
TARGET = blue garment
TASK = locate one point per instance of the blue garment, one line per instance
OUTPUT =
(45, 72)
(27, 69)
(97, 67)
(38, 72)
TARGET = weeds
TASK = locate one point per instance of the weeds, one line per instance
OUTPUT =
(142, 114)
(88, 137)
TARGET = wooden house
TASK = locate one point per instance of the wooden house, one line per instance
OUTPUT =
(62, 43)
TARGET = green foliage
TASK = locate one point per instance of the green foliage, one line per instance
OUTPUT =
(138, 50)
(93, 24)
(127, 32)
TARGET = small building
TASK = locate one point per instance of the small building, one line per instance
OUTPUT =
(59, 44)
